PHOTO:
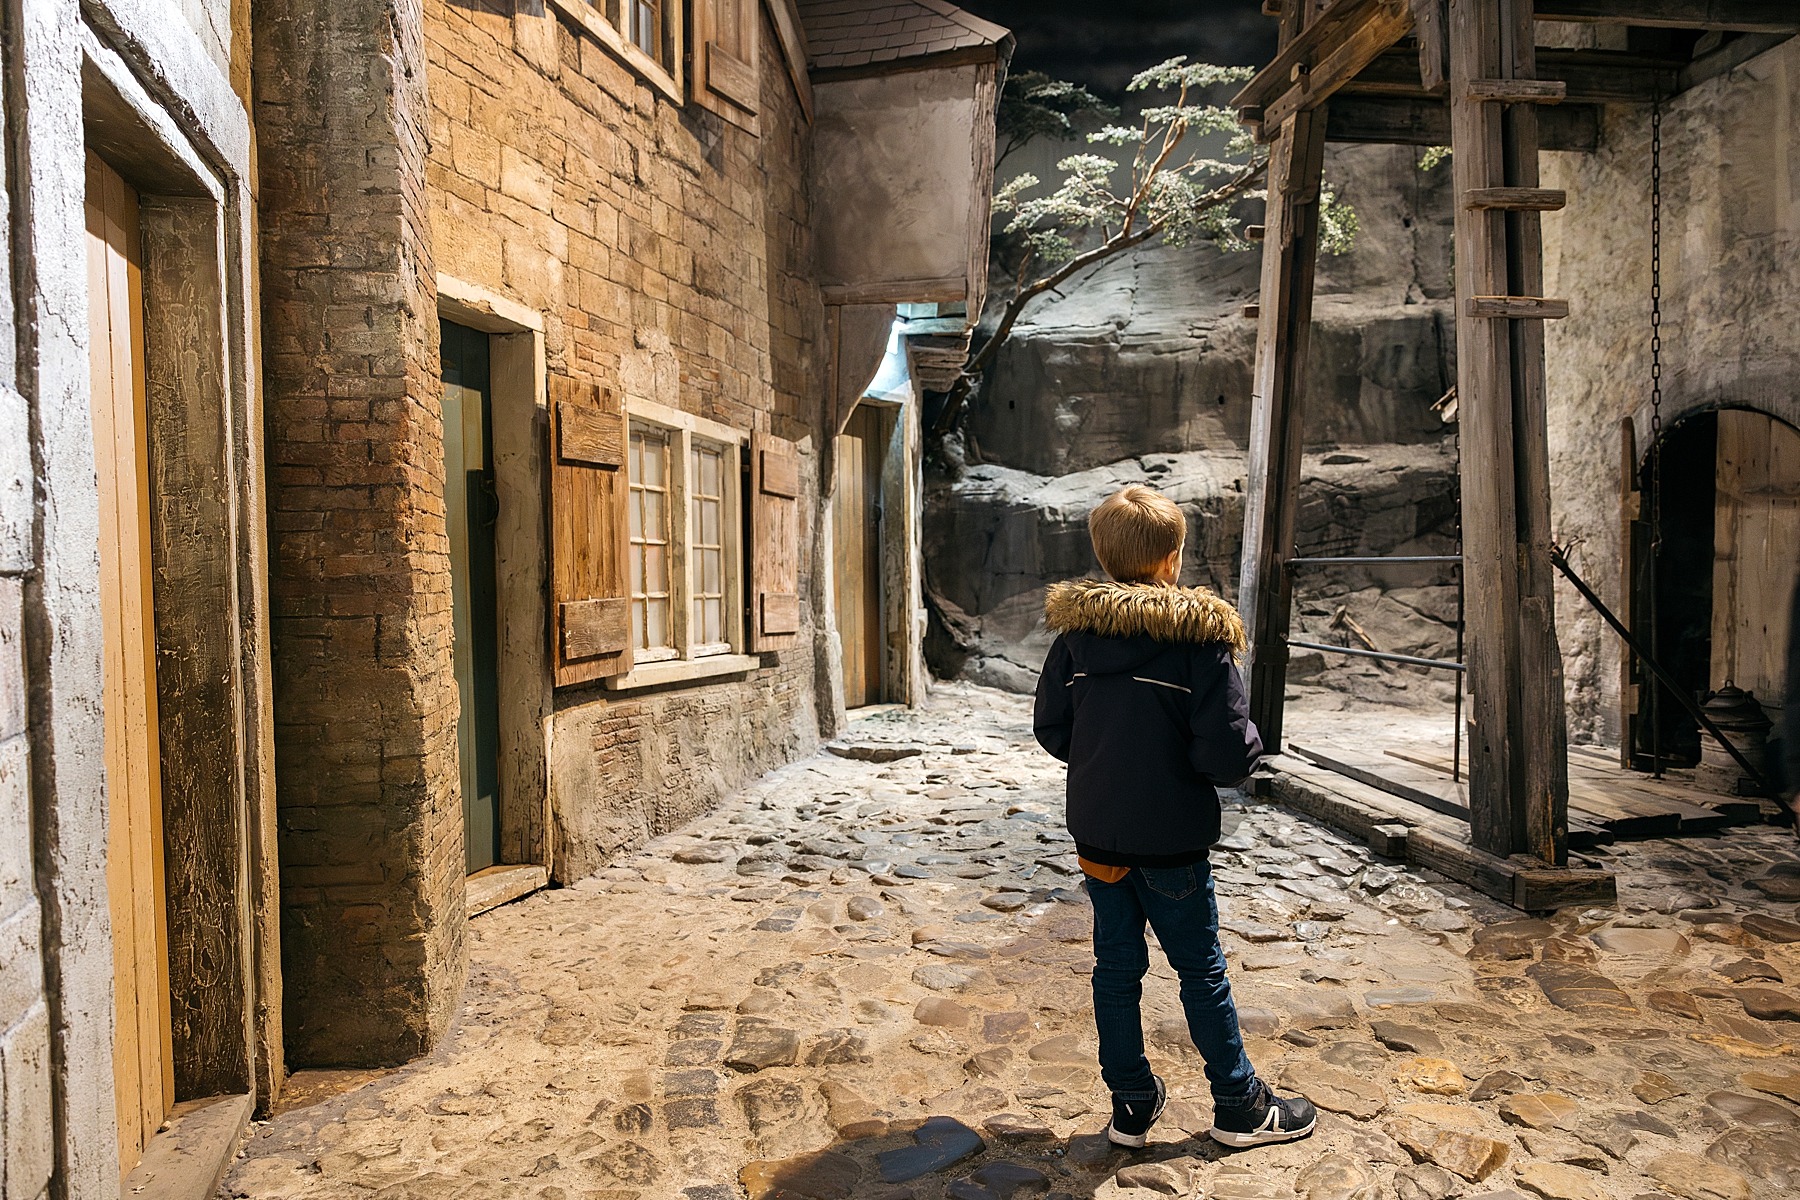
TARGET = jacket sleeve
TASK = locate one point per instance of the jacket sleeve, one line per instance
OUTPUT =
(1225, 746)
(1053, 720)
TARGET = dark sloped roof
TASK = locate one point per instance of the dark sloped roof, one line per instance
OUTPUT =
(860, 33)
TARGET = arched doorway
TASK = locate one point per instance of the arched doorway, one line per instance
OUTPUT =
(1716, 603)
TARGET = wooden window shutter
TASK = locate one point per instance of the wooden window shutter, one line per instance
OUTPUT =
(590, 591)
(774, 543)
(727, 59)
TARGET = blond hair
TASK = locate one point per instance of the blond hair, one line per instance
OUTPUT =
(1134, 532)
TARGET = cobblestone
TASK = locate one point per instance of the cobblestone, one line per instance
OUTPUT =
(689, 1029)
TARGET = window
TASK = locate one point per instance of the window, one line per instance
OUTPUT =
(685, 537)
(646, 34)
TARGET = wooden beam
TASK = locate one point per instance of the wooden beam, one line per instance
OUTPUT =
(1516, 199)
(1518, 796)
(1392, 120)
(1733, 54)
(1290, 255)
(1304, 47)
(1518, 308)
(1742, 16)
(1519, 91)
(1431, 29)
(1342, 59)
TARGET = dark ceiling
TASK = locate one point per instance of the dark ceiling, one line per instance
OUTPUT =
(1104, 44)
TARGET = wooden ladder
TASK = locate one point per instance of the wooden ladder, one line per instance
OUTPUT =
(1518, 796)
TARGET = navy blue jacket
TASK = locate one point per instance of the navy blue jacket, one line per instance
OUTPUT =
(1142, 697)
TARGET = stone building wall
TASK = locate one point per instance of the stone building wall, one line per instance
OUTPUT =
(365, 705)
(1731, 233)
(669, 254)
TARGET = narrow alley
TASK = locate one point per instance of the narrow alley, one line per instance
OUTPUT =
(865, 976)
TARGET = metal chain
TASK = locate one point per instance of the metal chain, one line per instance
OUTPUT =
(1656, 446)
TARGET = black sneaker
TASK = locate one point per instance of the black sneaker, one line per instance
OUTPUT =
(1132, 1119)
(1262, 1119)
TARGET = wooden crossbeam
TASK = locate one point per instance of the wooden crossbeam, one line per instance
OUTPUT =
(1404, 121)
(1518, 308)
(1311, 46)
(1359, 43)
(1515, 199)
(1519, 91)
(1742, 16)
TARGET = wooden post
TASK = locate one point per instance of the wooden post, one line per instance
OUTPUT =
(1518, 768)
(1290, 254)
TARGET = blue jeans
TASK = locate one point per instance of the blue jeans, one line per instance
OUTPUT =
(1179, 905)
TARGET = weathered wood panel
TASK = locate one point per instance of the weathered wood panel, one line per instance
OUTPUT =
(588, 535)
(774, 542)
(1756, 551)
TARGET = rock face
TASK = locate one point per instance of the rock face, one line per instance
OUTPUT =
(1141, 373)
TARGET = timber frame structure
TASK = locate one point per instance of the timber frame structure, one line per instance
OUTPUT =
(1468, 74)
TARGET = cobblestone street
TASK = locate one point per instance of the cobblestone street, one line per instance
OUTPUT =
(866, 976)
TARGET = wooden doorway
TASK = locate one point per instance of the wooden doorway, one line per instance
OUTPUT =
(143, 1056)
(857, 530)
(472, 510)
(1718, 599)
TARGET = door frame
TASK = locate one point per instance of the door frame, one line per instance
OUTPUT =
(518, 408)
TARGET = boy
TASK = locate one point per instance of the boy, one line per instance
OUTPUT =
(1141, 696)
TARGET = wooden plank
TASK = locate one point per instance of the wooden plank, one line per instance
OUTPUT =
(1438, 794)
(589, 544)
(1743, 16)
(1339, 63)
(1516, 308)
(591, 628)
(1431, 28)
(774, 591)
(1515, 199)
(1303, 47)
(590, 437)
(1290, 256)
(1728, 57)
(1462, 862)
(1406, 121)
(1546, 889)
(1518, 91)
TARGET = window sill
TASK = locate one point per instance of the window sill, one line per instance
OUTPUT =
(684, 671)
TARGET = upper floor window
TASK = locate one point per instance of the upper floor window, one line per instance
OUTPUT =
(647, 34)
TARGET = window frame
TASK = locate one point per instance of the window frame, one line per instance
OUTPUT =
(685, 656)
(669, 80)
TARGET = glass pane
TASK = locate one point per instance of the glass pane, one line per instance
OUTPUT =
(715, 620)
(653, 525)
(635, 504)
(636, 463)
(709, 522)
(656, 569)
(637, 570)
(710, 583)
(711, 472)
(656, 623)
(637, 623)
(653, 462)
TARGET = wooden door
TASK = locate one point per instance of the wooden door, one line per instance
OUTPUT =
(856, 535)
(471, 511)
(1756, 547)
(143, 1062)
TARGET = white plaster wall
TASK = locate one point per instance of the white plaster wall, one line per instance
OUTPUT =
(1731, 326)
(894, 176)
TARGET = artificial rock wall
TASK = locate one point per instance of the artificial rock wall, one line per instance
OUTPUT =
(1141, 372)
(1731, 234)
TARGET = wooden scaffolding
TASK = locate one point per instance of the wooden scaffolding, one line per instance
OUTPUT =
(1467, 74)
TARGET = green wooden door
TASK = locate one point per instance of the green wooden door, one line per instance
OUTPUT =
(471, 510)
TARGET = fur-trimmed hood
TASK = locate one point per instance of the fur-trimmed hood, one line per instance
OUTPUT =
(1193, 616)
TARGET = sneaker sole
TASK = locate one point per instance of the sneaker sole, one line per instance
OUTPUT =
(1226, 1137)
(1131, 1141)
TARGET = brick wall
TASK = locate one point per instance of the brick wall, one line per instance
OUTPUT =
(365, 705)
(639, 229)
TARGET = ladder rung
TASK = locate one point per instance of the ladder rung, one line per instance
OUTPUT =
(1518, 91)
(1251, 312)
(1518, 307)
(1516, 199)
